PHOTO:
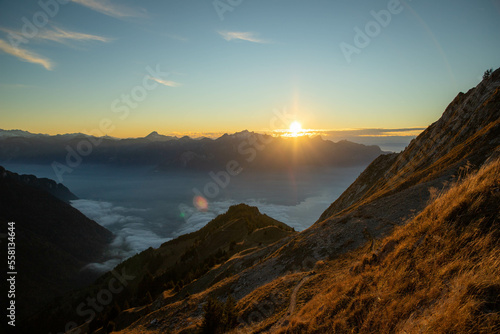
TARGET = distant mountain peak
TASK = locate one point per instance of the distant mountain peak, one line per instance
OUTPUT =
(155, 136)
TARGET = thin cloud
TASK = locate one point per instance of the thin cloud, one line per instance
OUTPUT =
(166, 82)
(61, 36)
(58, 35)
(107, 8)
(25, 55)
(244, 36)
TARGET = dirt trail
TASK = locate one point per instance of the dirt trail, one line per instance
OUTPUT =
(293, 297)
(292, 305)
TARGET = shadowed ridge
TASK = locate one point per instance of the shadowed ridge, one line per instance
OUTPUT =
(54, 241)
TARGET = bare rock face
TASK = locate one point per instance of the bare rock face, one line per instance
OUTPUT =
(468, 132)
(470, 115)
(363, 185)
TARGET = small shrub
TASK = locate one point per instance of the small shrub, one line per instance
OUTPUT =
(219, 317)
(487, 74)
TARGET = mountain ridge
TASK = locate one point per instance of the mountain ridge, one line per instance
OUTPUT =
(251, 150)
(468, 131)
(52, 187)
(54, 241)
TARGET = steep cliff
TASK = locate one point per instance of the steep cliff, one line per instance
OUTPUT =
(467, 132)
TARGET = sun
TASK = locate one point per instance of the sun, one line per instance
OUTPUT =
(295, 128)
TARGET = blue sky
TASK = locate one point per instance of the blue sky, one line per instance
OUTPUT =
(194, 67)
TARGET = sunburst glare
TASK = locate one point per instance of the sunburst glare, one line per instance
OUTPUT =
(295, 129)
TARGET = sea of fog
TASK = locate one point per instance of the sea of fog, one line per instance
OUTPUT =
(144, 208)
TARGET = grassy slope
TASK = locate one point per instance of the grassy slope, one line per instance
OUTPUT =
(440, 273)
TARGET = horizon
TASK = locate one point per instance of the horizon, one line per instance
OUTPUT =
(286, 133)
(200, 68)
(389, 140)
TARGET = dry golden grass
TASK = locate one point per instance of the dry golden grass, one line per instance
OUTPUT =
(440, 273)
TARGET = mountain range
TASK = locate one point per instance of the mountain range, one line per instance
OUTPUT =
(411, 246)
(250, 150)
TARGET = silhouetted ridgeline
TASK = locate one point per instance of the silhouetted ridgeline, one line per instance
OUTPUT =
(250, 150)
(53, 240)
(52, 187)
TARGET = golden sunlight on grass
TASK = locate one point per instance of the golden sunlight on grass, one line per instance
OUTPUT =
(437, 274)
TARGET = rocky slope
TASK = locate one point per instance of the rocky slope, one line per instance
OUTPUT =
(467, 132)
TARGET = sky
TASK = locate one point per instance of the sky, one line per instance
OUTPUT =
(127, 68)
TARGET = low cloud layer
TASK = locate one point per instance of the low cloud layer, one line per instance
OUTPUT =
(132, 232)
(299, 216)
(152, 209)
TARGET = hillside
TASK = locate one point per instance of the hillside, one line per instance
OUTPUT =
(179, 267)
(53, 240)
(440, 273)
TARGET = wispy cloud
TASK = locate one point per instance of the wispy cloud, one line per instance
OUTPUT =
(166, 82)
(107, 8)
(25, 55)
(244, 36)
(54, 34)
(58, 35)
(61, 36)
